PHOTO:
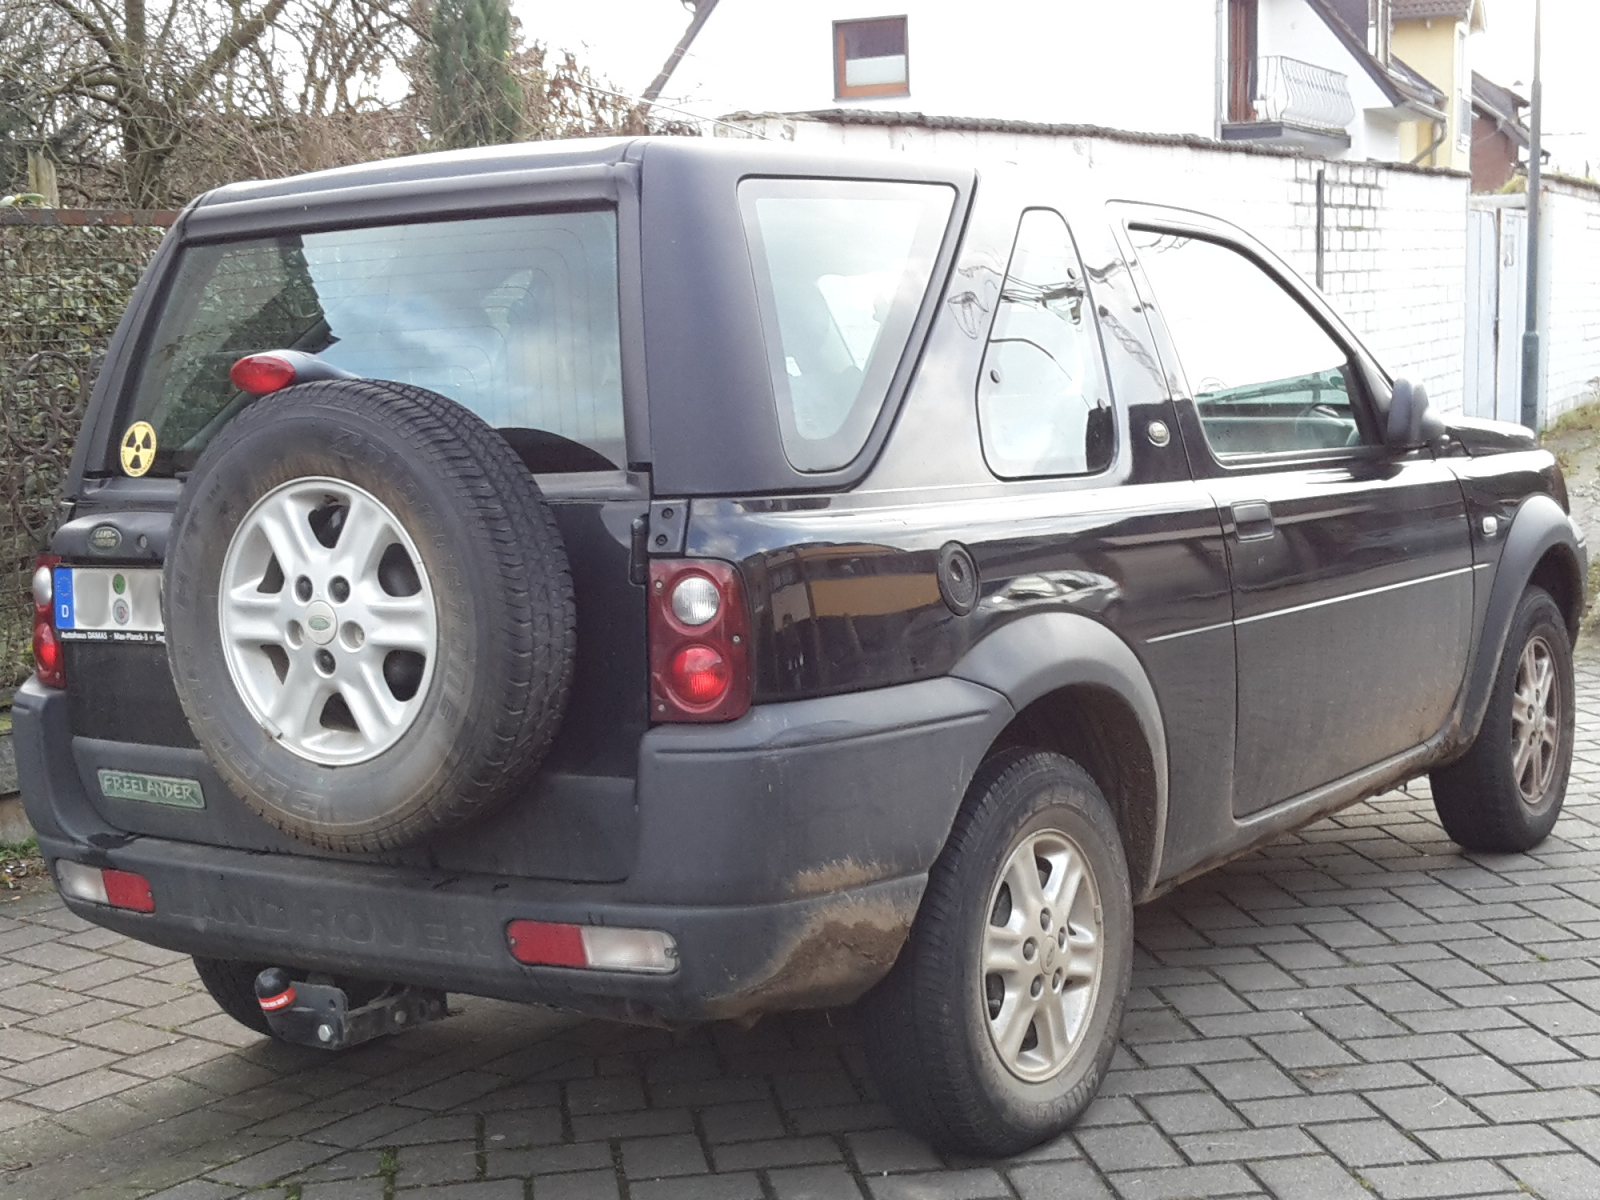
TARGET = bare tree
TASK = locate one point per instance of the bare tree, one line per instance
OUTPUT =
(148, 74)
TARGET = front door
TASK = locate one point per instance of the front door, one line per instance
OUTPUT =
(1351, 565)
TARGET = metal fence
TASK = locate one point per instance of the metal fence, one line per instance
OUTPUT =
(65, 277)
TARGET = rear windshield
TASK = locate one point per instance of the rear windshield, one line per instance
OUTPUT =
(514, 317)
(841, 268)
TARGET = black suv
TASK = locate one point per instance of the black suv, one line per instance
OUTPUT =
(681, 580)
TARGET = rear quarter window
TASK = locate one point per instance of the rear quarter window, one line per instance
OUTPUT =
(516, 318)
(841, 269)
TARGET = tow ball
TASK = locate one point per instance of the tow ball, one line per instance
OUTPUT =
(319, 1014)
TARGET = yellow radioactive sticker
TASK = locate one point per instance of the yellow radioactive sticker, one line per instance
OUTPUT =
(138, 448)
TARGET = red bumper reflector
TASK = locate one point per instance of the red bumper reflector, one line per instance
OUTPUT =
(544, 944)
(104, 885)
(124, 889)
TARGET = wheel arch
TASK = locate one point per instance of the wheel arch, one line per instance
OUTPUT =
(1079, 689)
(1543, 548)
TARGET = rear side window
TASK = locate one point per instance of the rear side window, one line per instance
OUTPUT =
(516, 318)
(1044, 407)
(841, 270)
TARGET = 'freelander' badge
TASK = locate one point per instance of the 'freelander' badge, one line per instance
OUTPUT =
(138, 448)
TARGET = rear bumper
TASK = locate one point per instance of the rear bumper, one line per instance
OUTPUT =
(785, 853)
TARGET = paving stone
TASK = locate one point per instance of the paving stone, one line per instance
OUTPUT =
(1309, 1049)
(1249, 1145)
(973, 1184)
(198, 1189)
(652, 1157)
(1368, 1143)
(814, 1183)
(1248, 1080)
(344, 1189)
(776, 1152)
(1191, 1112)
(741, 1122)
(884, 1150)
(1064, 1181)
(1128, 1147)
(439, 1163)
(273, 1164)
(1497, 1141)
(699, 1187)
(500, 1189)
(558, 1159)
(1315, 1177)
(1181, 1183)
(1556, 1176)
(1451, 1179)
(582, 1185)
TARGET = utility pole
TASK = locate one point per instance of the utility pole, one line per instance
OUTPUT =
(1532, 366)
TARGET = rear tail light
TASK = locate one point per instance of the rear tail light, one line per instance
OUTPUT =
(259, 374)
(105, 885)
(596, 947)
(47, 662)
(699, 641)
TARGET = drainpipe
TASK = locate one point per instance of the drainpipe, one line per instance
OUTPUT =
(1532, 373)
(1444, 132)
(702, 10)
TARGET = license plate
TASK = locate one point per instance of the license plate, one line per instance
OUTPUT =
(153, 789)
(108, 604)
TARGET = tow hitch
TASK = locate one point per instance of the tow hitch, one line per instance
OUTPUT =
(319, 1014)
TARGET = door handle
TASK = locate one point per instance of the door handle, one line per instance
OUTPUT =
(1252, 519)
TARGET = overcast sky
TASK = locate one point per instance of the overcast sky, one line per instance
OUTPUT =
(628, 41)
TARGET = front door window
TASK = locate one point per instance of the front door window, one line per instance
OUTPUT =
(1265, 376)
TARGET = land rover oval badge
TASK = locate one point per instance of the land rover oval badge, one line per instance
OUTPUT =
(103, 539)
(138, 448)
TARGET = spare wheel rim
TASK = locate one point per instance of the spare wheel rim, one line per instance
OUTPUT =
(328, 621)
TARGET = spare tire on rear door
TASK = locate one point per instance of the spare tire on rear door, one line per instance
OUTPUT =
(369, 613)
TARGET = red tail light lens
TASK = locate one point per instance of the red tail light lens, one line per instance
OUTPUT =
(699, 641)
(47, 662)
(259, 374)
(699, 674)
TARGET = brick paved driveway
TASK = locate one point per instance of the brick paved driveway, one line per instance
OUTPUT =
(1358, 1009)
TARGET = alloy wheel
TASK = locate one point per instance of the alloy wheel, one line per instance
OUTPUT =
(1535, 721)
(328, 621)
(1043, 955)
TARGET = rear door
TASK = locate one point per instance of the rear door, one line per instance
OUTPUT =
(1351, 566)
(523, 318)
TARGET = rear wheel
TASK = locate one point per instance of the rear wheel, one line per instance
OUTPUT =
(1505, 793)
(995, 1027)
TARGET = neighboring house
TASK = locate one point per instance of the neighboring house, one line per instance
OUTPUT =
(1142, 65)
(1433, 36)
(1318, 76)
(1499, 138)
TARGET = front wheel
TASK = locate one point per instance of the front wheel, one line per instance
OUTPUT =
(1505, 793)
(996, 1025)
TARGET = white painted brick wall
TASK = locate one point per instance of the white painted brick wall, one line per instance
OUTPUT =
(1571, 240)
(1395, 256)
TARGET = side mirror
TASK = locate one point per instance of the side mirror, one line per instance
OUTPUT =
(1411, 422)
